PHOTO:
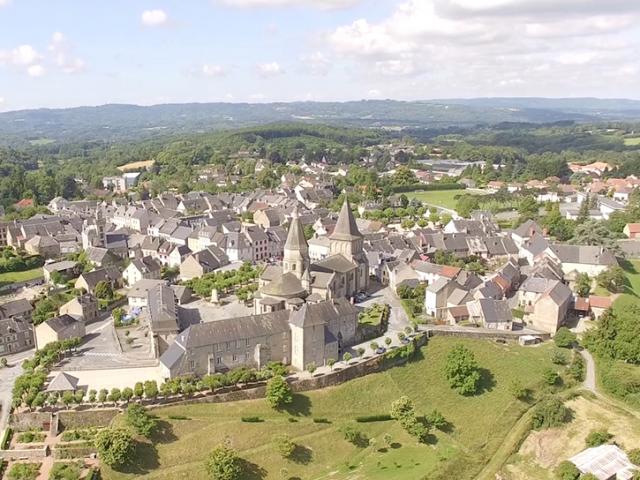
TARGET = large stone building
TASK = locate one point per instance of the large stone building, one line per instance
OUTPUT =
(309, 334)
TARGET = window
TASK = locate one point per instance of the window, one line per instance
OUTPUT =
(235, 357)
(247, 342)
(228, 346)
(218, 360)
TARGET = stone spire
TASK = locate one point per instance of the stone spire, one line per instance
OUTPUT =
(346, 228)
(295, 238)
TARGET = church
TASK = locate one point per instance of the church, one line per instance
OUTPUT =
(303, 314)
(343, 274)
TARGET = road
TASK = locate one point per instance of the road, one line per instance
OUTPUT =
(8, 375)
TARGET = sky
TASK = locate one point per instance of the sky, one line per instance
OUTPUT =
(67, 53)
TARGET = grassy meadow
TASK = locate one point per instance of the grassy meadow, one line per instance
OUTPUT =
(477, 424)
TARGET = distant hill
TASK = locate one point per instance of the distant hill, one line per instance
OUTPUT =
(126, 122)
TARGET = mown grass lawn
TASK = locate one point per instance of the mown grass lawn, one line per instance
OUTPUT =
(439, 198)
(15, 277)
(631, 142)
(478, 424)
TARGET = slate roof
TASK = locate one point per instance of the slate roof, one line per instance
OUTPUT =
(63, 382)
(495, 311)
(60, 323)
(162, 311)
(583, 254)
(15, 307)
(346, 227)
(334, 263)
(287, 285)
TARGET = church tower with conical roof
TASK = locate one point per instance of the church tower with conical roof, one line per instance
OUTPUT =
(296, 248)
(346, 240)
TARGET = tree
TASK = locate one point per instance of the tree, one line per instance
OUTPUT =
(402, 408)
(65, 471)
(346, 357)
(583, 285)
(115, 446)
(550, 412)
(150, 389)
(138, 389)
(577, 368)
(115, 395)
(634, 456)
(613, 279)
(278, 392)
(436, 420)
(127, 394)
(223, 463)
(567, 471)
(102, 396)
(596, 438)
(564, 338)
(283, 445)
(103, 290)
(139, 419)
(355, 436)
(330, 363)
(528, 208)
(595, 233)
(462, 371)
(117, 315)
(67, 398)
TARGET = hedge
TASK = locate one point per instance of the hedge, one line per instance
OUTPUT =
(251, 419)
(6, 437)
(374, 418)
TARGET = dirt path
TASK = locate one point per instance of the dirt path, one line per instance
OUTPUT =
(590, 373)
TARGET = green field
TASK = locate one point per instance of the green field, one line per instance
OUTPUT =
(478, 424)
(632, 142)
(439, 198)
(14, 277)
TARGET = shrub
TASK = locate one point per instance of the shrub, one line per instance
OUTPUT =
(311, 367)
(223, 463)
(31, 437)
(65, 471)
(517, 389)
(436, 420)
(374, 418)
(564, 338)
(278, 392)
(355, 436)
(178, 417)
(346, 357)
(596, 438)
(550, 412)
(140, 420)
(558, 358)
(24, 471)
(576, 370)
(252, 419)
(321, 420)
(550, 376)
(567, 471)
(283, 445)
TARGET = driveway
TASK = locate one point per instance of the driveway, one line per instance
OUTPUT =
(398, 318)
(8, 376)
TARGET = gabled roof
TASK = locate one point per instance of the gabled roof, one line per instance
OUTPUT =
(60, 323)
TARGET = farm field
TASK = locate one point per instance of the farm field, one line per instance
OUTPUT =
(478, 424)
(632, 142)
(439, 198)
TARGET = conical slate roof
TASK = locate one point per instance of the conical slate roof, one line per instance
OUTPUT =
(346, 228)
(295, 238)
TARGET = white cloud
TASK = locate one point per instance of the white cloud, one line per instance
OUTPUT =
(316, 63)
(21, 56)
(62, 56)
(270, 69)
(211, 70)
(154, 18)
(4, 2)
(473, 47)
(374, 93)
(35, 71)
(321, 4)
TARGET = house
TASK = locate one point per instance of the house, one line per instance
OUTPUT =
(632, 230)
(608, 206)
(525, 231)
(139, 268)
(87, 281)
(16, 329)
(101, 257)
(57, 329)
(200, 263)
(490, 313)
(605, 462)
(162, 317)
(589, 259)
(269, 217)
(138, 293)
(43, 245)
(66, 269)
(83, 306)
(545, 302)
(319, 248)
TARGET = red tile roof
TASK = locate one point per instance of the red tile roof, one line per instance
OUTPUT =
(582, 304)
(450, 272)
(599, 302)
(24, 203)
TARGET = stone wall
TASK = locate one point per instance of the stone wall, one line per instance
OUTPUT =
(483, 334)
(30, 453)
(30, 421)
(72, 420)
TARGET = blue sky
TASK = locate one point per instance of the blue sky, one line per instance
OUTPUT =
(72, 52)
